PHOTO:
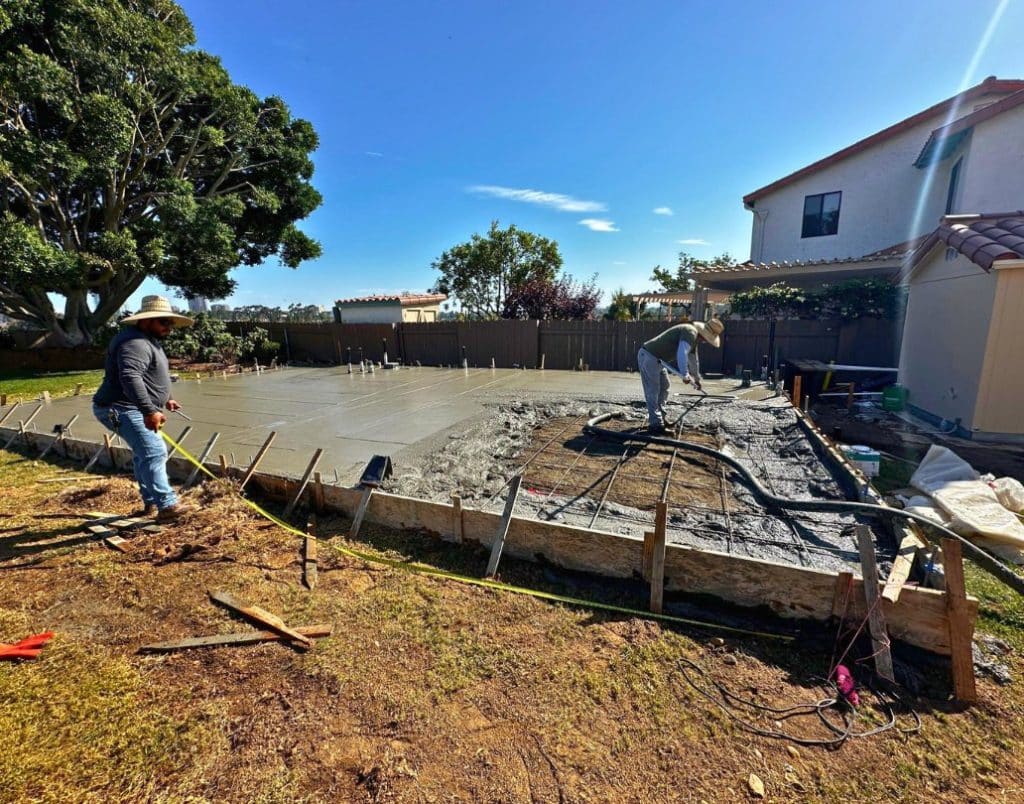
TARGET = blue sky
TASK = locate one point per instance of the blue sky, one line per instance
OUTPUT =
(431, 114)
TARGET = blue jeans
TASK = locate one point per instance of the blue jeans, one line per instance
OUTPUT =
(149, 453)
(654, 379)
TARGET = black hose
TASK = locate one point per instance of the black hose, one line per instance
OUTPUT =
(985, 560)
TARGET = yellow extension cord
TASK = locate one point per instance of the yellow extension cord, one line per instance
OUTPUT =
(424, 569)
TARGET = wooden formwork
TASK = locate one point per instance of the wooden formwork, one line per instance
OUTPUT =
(930, 619)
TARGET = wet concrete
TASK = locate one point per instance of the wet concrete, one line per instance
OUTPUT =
(400, 413)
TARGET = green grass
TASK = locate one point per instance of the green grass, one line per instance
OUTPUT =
(31, 384)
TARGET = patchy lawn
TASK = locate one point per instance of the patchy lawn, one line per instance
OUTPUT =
(31, 384)
(428, 690)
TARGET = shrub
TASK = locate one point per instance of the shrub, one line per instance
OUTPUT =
(206, 341)
(256, 345)
(855, 298)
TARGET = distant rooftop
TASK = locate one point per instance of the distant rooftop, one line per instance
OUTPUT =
(405, 299)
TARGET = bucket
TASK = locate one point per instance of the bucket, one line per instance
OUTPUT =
(894, 398)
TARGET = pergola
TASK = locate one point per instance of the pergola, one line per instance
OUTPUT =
(697, 299)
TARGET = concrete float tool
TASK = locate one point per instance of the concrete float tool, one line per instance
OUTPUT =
(985, 560)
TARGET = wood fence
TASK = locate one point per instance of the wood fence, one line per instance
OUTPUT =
(600, 345)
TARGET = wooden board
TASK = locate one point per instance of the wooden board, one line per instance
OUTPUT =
(245, 638)
(260, 616)
(309, 562)
(506, 520)
(658, 558)
(903, 564)
(872, 598)
(960, 623)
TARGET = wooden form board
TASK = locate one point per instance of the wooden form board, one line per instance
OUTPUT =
(919, 617)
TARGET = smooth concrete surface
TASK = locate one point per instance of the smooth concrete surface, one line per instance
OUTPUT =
(351, 416)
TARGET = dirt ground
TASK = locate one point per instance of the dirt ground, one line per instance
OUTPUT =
(428, 690)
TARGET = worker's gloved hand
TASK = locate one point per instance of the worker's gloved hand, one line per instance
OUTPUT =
(172, 405)
(154, 421)
(697, 385)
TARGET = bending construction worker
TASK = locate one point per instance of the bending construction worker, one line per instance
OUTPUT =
(136, 386)
(673, 350)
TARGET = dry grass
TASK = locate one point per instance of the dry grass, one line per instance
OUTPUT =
(428, 690)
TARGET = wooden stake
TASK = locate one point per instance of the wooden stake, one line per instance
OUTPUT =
(648, 555)
(22, 426)
(309, 562)
(658, 558)
(180, 440)
(849, 396)
(261, 617)
(223, 465)
(959, 622)
(245, 638)
(841, 595)
(357, 520)
(78, 389)
(9, 413)
(110, 450)
(59, 437)
(876, 620)
(256, 461)
(457, 518)
(797, 383)
(303, 483)
(46, 397)
(202, 460)
(506, 521)
(318, 492)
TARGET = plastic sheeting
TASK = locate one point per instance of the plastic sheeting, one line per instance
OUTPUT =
(971, 505)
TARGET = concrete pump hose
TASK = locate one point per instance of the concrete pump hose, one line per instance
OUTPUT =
(986, 561)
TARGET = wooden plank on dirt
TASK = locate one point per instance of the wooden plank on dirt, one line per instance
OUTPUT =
(309, 562)
(303, 483)
(876, 619)
(658, 558)
(118, 543)
(256, 461)
(903, 564)
(506, 520)
(841, 598)
(261, 617)
(245, 638)
(960, 627)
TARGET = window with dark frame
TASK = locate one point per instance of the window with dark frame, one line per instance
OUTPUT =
(954, 181)
(821, 214)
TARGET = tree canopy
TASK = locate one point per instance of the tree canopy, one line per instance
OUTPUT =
(125, 153)
(682, 279)
(481, 272)
(543, 299)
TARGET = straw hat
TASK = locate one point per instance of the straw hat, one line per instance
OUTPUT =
(711, 331)
(158, 307)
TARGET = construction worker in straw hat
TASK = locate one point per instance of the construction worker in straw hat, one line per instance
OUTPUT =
(673, 350)
(136, 387)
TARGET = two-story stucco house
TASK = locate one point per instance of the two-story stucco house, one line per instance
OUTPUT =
(860, 211)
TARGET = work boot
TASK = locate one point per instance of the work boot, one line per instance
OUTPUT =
(656, 430)
(148, 510)
(173, 513)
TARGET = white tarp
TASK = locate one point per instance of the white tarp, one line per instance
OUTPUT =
(971, 504)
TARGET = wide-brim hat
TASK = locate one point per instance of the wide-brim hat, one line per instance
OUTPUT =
(158, 307)
(711, 331)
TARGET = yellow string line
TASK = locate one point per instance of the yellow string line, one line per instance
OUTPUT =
(424, 569)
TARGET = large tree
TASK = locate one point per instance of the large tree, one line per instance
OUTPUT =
(125, 153)
(482, 271)
(682, 279)
(562, 299)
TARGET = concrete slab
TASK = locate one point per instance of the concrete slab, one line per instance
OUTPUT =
(351, 416)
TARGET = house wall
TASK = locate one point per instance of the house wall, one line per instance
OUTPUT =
(371, 313)
(945, 335)
(993, 177)
(420, 315)
(1000, 407)
(882, 188)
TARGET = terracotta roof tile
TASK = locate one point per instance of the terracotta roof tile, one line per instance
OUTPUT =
(983, 239)
(406, 299)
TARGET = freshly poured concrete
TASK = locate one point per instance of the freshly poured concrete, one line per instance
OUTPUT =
(351, 416)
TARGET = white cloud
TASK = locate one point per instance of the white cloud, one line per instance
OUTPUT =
(663, 211)
(694, 241)
(619, 262)
(563, 203)
(598, 225)
(373, 153)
